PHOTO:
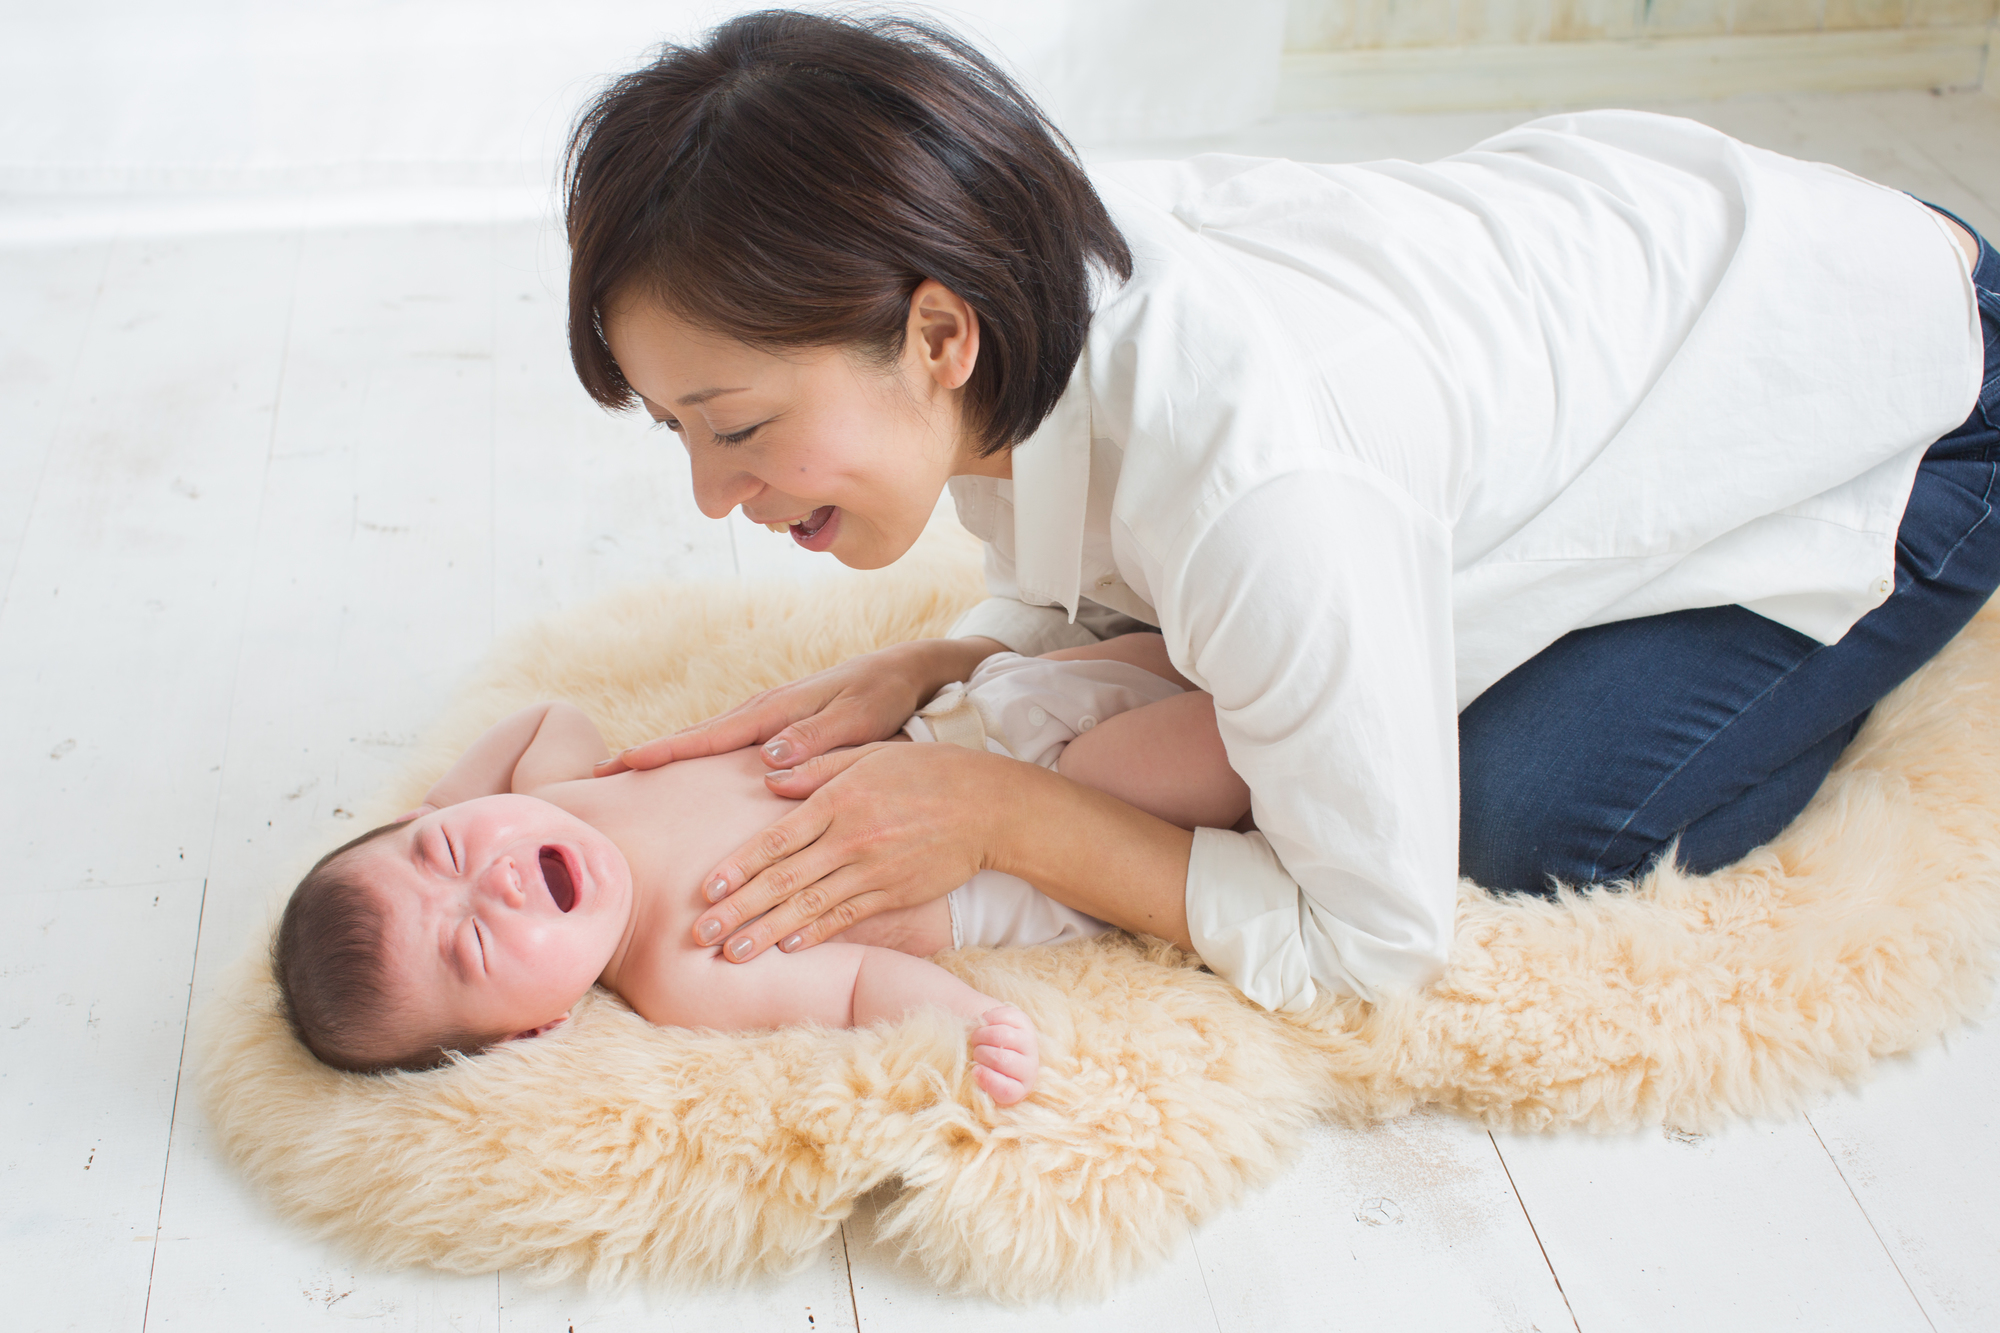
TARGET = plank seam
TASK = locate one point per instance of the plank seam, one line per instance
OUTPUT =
(847, 1261)
(173, 1110)
(1534, 1231)
(1872, 1228)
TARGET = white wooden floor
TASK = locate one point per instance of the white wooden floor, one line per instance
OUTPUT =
(266, 492)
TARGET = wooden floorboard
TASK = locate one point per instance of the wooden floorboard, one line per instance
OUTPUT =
(1411, 1224)
(1916, 1148)
(93, 1003)
(54, 293)
(1743, 1231)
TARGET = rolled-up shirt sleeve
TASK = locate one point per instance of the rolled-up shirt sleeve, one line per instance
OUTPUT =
(1033, 630)
(1316, 608)
(1027, 630)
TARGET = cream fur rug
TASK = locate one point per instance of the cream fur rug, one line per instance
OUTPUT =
(617, 1151)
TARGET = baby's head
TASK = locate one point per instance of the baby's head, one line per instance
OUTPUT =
(472, 925)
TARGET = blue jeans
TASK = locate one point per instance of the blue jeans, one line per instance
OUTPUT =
(1716, 726)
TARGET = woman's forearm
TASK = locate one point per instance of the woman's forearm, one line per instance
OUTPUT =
(936, 663)
(1092, 852)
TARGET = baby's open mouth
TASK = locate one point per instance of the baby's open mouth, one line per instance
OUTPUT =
(555, 873)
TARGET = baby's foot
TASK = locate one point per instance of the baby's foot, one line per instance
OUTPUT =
(1006, 1055)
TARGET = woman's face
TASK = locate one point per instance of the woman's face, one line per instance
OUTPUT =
(846, 457)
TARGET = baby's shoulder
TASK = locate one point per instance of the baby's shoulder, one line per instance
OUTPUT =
(663, 983)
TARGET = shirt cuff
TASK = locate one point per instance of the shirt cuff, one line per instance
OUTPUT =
(1243, 916)
(1027, 630)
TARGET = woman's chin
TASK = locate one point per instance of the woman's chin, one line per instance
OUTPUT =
(869, 548)
(872, 558)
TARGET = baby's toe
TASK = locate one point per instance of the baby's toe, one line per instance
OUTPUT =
(1021, 1068)
(1002, 1089)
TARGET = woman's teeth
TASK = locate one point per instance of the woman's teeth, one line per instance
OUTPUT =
(806, 526)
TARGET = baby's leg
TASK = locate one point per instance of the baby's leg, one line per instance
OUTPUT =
(1165, 758)
(1148, 652)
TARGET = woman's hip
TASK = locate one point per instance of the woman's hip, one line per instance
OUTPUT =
(1715, 726)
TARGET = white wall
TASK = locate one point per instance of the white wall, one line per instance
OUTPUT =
(114, 95)
(1333, 25)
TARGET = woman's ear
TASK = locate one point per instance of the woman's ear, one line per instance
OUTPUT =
(549, 1026)
(943, 333)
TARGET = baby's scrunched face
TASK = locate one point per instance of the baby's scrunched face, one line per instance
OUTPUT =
(499, 913)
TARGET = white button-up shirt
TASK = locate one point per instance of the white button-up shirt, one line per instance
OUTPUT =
(1361, 439)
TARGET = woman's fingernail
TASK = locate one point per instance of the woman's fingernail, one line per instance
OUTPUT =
(739, 949)
(790, 943)
(716, 889)
(707, 931)
(777, 775)
(779, 750)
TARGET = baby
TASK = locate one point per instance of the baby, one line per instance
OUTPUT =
(522, 880)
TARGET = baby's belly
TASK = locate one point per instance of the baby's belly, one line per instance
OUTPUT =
(921, 930)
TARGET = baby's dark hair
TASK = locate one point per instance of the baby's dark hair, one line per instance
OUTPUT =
(332, 974)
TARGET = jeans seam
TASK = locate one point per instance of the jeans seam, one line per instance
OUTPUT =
(1597, 861)
(1986, 499)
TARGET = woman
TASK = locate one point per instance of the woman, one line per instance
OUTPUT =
(1529, 514)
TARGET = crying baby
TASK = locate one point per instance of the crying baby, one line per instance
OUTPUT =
(522, 881)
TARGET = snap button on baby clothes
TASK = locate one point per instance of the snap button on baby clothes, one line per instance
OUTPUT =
(1086, 722)
(1036, 716)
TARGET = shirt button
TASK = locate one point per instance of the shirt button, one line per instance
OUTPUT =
(1036, 717)
(1107, 580)
(1883, 587)
(1086, 722)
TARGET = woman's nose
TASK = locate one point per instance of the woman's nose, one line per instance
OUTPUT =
(718, 486)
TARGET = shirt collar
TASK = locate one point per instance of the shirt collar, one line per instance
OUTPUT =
(1051, 490)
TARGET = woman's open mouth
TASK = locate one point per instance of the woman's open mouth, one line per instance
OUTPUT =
(555, 874)
(811, 526)
(815, 531)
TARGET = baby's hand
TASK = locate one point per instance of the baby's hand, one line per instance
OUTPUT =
(1006, 1054)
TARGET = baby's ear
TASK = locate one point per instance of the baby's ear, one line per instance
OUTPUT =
(549, 1026)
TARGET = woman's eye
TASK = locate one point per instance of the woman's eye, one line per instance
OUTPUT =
(667, 423)
(738, 437)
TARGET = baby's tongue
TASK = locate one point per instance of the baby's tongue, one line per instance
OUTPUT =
(556, 875)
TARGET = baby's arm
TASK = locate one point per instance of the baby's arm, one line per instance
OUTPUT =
(852, 985)
(540, 745)
(888, 985)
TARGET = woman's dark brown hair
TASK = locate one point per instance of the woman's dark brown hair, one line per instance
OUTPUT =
(790, 181)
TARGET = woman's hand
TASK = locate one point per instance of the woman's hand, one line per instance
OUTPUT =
(882, 826)
(864, 699)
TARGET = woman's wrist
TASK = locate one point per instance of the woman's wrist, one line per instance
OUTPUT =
(1087, 850)
(936, 663)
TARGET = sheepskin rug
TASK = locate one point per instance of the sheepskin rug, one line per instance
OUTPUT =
(615, 1151)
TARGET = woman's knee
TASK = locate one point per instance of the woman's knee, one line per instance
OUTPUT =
(1520, 831)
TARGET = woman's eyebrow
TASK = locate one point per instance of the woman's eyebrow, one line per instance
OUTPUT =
(697, 399)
